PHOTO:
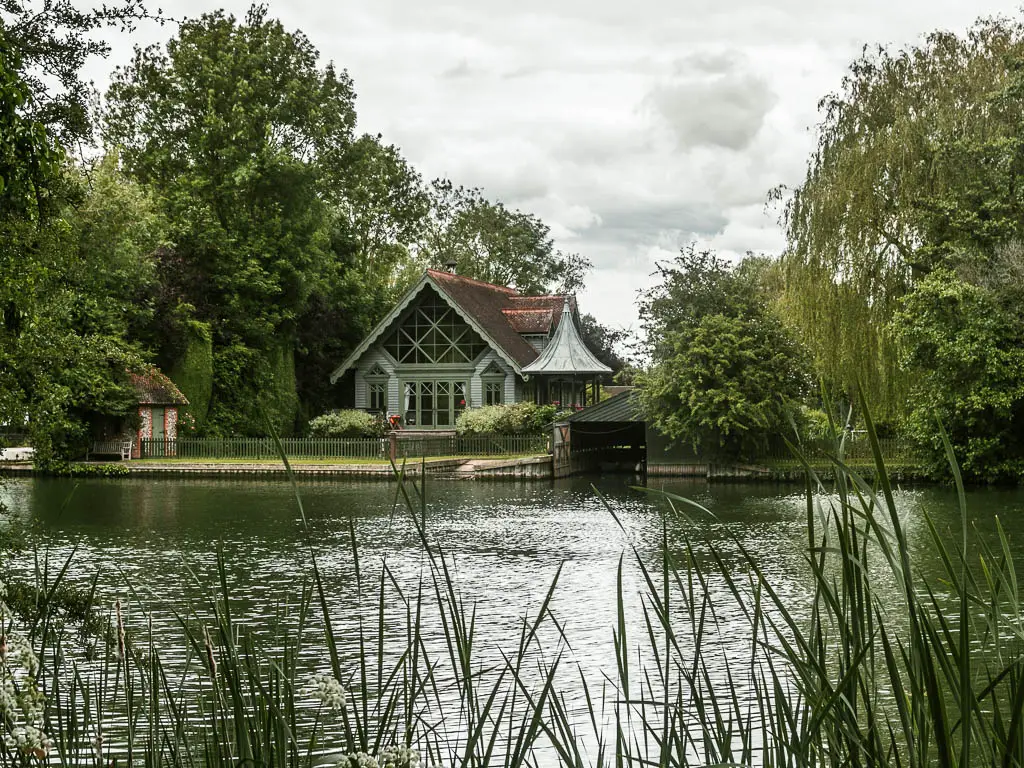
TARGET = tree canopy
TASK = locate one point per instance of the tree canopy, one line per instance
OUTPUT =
(917, 166)
(963, 346)
(63, 356)
(724, 371)
(489, 242)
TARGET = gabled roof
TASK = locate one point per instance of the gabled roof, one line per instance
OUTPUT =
(484, 302)
(567, 352)
(153, 388)
(499, 314)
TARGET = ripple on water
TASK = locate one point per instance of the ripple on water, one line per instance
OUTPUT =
(504, 544)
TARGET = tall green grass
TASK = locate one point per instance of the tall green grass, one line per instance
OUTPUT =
(848, 676)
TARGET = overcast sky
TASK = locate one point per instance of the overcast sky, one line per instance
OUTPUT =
(631, 127)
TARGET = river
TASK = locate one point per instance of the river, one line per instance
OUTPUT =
(505, 542)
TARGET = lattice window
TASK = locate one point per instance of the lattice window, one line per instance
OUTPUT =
(433, 333)
(494, 384)
(378, 392)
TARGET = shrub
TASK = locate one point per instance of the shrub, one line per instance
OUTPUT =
(346, 423)
(64, 468)
(517, 419)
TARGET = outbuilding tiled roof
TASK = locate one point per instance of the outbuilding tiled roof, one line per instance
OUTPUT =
(153, 388)
(529, 320)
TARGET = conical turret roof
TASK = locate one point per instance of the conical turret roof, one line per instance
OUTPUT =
(567, 353)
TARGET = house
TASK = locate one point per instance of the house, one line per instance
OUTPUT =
(155, 420)
(158, 402)
(453, 343)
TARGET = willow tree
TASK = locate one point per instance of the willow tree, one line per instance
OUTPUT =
(918, 163)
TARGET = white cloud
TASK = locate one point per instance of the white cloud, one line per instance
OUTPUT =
(713, 100)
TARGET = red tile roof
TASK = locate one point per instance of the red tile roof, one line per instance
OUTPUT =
(502, 312)
(529, 320)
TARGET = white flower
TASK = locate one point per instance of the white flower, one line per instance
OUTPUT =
(29, 740)
(358, 760)
(21, 702)
(399, 757)
(97, 743)
(330, 692)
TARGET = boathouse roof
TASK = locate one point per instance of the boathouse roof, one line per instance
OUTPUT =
(619, 408)
(567, 353)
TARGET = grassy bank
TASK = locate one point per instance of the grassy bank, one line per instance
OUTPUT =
(838, 676)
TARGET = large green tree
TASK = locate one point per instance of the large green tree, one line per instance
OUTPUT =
(63, 360)
(962, 341)
(382, 205)
(232, 124)
(724, 371)
(50, 42)
(918, 166)
(606, 344)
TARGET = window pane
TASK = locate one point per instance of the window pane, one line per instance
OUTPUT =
(493, 393)
(433, 333)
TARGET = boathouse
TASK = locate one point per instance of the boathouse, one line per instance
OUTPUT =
(453, 343)
(614, 435)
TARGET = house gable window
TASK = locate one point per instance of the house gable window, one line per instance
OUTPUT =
(493, 379)
(493, 391)
(378, 396)
(433, 334)
(377, 389)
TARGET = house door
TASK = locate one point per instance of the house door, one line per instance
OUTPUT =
(434, 404)
(159, 435)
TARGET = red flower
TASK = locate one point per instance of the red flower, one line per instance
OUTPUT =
(462, 402)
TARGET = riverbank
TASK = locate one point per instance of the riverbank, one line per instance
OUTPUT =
(457, 467)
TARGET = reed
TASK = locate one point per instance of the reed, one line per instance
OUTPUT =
(843, 677)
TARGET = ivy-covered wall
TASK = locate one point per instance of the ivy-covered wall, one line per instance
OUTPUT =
(193, 374)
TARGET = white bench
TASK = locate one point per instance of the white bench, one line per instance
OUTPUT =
(122, 448)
